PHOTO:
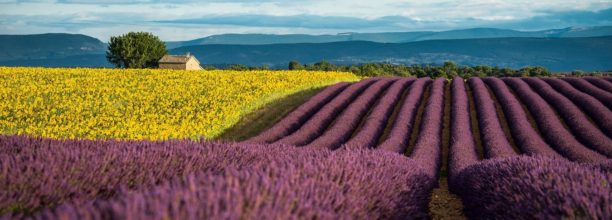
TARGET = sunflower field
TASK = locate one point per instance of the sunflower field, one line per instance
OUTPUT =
(146, 104)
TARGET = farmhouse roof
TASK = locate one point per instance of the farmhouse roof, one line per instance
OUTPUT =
(177, 58)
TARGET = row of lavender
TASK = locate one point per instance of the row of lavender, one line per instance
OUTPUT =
(542, 185)
(356, 118)
(190, 180)
(354, 127)
(562, 133)
(550, 142)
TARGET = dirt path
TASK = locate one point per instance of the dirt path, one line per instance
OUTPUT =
(444, 204)
(417, 122)
(474, 120)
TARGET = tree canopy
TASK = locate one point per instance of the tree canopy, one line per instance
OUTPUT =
(135, 50)
(449, 70)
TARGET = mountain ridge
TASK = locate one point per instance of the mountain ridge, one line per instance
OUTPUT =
(393, 37)
(556, 54)
(48, 46)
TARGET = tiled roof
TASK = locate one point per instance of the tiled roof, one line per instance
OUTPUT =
(175, 59)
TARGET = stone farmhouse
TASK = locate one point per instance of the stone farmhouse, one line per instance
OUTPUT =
(179, 62)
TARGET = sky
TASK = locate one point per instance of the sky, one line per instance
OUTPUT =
(176, 20)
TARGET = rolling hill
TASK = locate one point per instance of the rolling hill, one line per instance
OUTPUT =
(48, 46)
(393, 37)
(557, 54)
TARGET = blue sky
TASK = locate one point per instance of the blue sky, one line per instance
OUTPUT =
(188, 19)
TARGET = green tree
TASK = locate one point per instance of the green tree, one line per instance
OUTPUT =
(264, 67)
(577, 73)
(466, 72)
(482, 70)
(371, 69)
(135, 50)
(494, 72)
(479, 73)
(295, 65)
(324, 65)
(419, 71)
(539, 71)
(209, 67)
(507, 72)
(450, 66)
(437, 72)
(524, 72)
(401, 70)
(354, 69)
(239, 67)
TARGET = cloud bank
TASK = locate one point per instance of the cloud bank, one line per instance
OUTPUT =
(188, 19)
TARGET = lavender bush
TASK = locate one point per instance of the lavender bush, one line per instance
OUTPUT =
(340, 131)
(525, 136)
(582, 128)
(535, 188)
(428, 148)
(292, 121)
(581, 84)
(591, 106)
(462, 152)
(494, 139)
(601, 83)
(189, 180)
(41, 172)
(551, 127)
(320, 120)
(376, 121)
(397, 140)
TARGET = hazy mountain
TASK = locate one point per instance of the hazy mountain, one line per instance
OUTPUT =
(85, 60)
(48, 46)
(59, 46)
(393, 37)
(558, 54)
(562, 50)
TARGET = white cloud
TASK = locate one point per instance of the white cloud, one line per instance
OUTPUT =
(101, 18)
(427, 10)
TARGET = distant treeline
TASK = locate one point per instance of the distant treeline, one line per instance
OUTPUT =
(448, 69)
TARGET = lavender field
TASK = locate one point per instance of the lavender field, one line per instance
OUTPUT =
(510, 148)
